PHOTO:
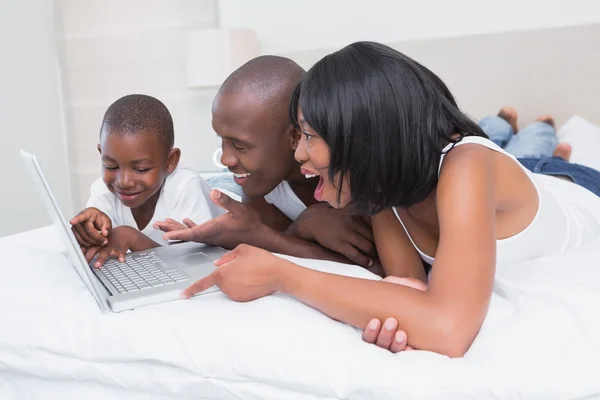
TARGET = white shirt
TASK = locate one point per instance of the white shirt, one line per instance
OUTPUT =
(183, 195)
(284, 198)
(568, 216)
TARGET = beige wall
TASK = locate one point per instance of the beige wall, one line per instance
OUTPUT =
(111, 48)
(290, 26)
(550, 71)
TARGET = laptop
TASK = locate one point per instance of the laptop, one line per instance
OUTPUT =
(146, 277)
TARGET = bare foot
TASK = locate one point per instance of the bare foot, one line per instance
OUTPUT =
(509, 114)
(563, 150)
(547, 119)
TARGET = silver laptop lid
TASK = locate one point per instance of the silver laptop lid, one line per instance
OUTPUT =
(64, 230)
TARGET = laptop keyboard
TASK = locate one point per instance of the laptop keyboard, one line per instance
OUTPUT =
(140, 272)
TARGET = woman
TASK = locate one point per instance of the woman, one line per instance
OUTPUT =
(387, 139)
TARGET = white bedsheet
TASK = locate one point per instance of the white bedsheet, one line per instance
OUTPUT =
(541, 340)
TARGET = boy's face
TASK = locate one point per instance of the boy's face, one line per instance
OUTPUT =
(135, 165)
(258, 141)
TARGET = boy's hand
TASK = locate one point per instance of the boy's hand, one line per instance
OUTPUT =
(120, 240)
(239, 225)
(91, 227)
(337, 230)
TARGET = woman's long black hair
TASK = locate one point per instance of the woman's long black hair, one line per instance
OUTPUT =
(386, 119)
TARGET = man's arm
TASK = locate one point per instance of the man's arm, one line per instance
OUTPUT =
(270, 215)
(243, 224)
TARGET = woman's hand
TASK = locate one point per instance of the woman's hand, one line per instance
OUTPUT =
(389, 336)
(244, 274)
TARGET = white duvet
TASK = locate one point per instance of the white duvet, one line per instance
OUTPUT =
(541, 340)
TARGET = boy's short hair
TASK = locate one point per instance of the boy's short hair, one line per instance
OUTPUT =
(136, 112)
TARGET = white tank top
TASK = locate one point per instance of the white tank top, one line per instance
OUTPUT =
(568, 216)
(284, 198)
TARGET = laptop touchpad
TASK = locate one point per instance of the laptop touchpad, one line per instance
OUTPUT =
(195, 259)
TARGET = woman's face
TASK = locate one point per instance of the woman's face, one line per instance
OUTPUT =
(313, 155)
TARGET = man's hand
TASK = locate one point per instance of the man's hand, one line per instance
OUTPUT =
(337, 230)
(241, 224)
(170, 225)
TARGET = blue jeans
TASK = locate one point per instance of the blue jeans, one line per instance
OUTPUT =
(584, 176)
(536, 140)
(534, 146)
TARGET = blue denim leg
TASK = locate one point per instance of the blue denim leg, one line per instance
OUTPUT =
(225, 181)
(536, 140)
(498, 130)
(586, 177)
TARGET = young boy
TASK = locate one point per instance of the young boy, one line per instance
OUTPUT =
(250, 114)
(140, 181)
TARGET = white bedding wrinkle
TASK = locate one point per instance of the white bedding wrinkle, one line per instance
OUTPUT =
(540, 340)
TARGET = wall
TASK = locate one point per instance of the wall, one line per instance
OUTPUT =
(31, 115)
(111, 48)
(481, 84)
(286, 26)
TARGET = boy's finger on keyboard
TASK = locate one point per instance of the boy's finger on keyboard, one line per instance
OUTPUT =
(120, 254)
(102, 256)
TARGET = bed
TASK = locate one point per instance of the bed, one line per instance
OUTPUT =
(540, 340)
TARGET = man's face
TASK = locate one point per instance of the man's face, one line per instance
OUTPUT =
(258, 141)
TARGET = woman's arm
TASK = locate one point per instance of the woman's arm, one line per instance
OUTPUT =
(447, 317)
(396, 252)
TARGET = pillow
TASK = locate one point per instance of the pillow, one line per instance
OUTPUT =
(584, 137)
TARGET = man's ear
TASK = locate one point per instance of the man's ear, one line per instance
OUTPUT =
(173, 159)
(294, 135)
(98, 147)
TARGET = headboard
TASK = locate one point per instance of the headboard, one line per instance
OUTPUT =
(548, 71)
